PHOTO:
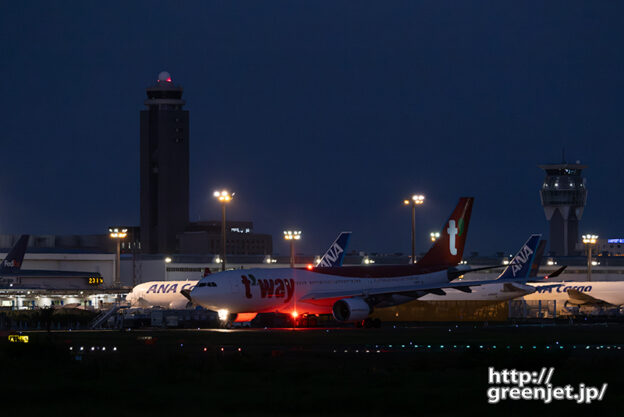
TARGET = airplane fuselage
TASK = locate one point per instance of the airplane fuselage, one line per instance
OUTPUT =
(611, 292)
(166, 294)
(287, 290)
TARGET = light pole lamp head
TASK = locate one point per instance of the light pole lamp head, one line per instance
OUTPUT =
(418, 199)
(223, 196)
(590, 239)
(434, 236)
(292, 234)
(117, 232)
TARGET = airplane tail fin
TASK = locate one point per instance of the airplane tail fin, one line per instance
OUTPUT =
(336, 252)
(15, 257)
(520, 266)
(448, 249)
(537, 260)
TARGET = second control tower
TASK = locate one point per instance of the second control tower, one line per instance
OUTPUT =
(563, 195)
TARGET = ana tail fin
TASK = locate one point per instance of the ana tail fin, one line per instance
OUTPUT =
(336, 252)
(520, 266)
(448, 249)
(15, 257)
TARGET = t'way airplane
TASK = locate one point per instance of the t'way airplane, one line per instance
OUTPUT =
(349, 293)
(174, 294)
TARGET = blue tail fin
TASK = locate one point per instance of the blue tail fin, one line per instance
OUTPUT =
(520, 266)
(13, 260)
(336, 252)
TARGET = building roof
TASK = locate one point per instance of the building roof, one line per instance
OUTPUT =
(563, 165)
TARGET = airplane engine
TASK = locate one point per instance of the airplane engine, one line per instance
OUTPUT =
(351, 309)
(178, 304)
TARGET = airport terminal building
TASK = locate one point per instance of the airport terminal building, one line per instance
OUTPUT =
(36, 292)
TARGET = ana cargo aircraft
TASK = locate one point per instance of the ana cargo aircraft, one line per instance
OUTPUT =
(175, 294)
(580, 293)
(166, 294)
(349, 293)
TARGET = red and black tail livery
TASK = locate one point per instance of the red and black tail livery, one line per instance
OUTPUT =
(448, 249)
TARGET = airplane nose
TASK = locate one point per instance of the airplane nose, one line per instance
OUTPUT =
(194, 294)
(202, 295)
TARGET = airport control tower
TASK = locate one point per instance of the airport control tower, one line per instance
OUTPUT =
(563, 194)
(164, 167)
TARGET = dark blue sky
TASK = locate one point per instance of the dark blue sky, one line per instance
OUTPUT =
(320, 115)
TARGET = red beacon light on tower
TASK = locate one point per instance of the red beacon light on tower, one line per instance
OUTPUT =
(164, 77)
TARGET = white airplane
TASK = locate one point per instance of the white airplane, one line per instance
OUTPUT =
(165, 294)
(580, 293)
(349, 293)
(174, 294)
(510, 284)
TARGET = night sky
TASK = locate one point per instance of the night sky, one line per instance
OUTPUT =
(320, 115)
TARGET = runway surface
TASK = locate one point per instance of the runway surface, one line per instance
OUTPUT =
(394, 371)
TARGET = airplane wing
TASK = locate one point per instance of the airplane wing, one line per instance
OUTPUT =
(577, 297)
(517, 270)
(412, 290)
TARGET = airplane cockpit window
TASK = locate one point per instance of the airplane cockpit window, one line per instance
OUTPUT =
(207, 284)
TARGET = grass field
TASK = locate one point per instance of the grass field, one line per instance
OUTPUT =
(430, 370)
